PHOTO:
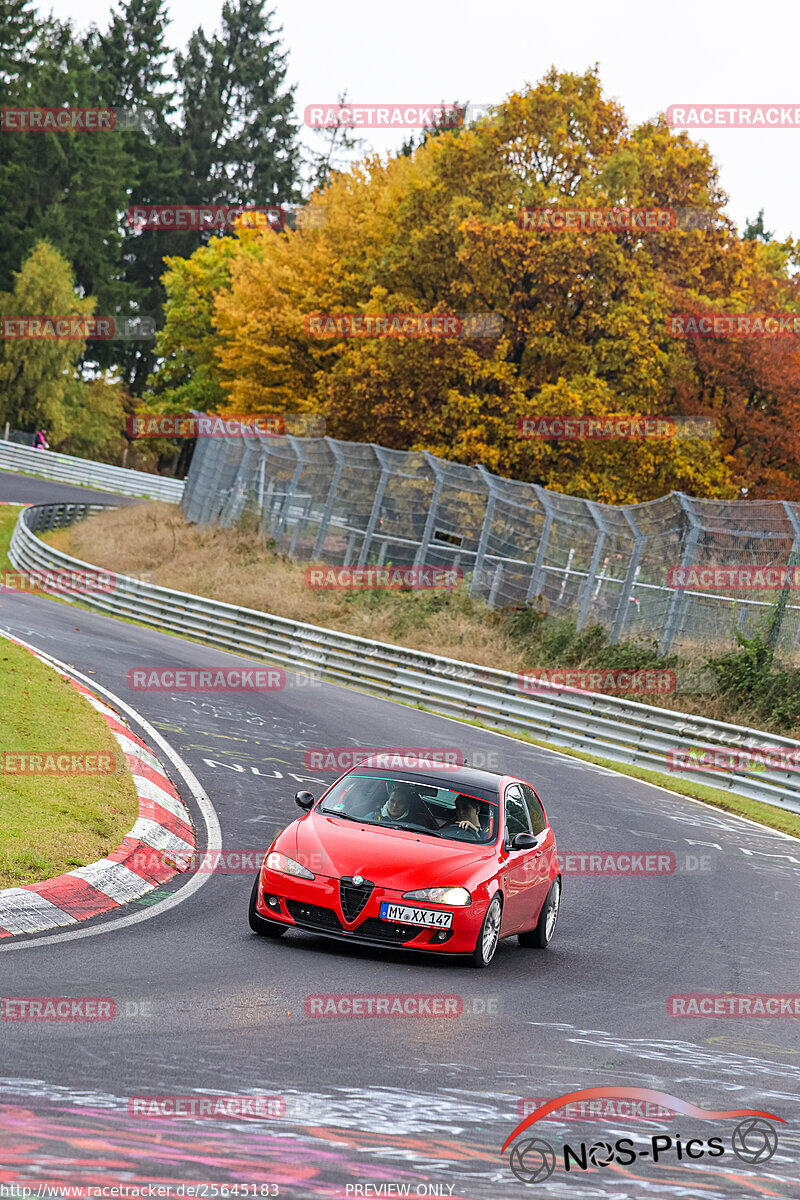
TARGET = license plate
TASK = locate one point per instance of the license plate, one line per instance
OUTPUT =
(416, 916)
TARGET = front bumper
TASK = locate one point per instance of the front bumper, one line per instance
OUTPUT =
(315, 906)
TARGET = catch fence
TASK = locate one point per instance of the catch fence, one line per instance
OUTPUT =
(354, 504)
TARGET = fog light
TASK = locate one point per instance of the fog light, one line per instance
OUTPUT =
(442, 935)
(272, 901)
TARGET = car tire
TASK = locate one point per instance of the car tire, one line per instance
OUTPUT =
(489, 935)
(259, 924)
(541, 937)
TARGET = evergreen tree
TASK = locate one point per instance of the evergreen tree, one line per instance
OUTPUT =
(755, 231)
(134, 64)
(240, 136)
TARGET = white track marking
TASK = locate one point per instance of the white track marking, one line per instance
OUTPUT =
(23, 920)
(208, 813)
(113, 879)
(159, 838)
(151, 791)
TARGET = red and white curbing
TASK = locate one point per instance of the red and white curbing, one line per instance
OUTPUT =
(130, 871)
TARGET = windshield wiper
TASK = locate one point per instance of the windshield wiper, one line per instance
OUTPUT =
(332, 812)
(411, 828)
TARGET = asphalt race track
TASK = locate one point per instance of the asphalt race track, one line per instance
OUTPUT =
(205, 1006)
(24, 489)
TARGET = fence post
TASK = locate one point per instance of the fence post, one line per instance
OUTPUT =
(422, 549)
(600, 541)
(377, 501)
(211, 498)
(279, 522)
(677, 601)
(776, 620)
(480, 555)
(234, 505)
(630, 578)
(537, 575)
(329, 502)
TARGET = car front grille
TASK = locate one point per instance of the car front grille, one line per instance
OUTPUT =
(354, 898)
(313, 916)
(387, 931)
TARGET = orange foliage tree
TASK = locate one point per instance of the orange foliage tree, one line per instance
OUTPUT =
(584, 314)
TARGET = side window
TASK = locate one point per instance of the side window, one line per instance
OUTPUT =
(517, 820)
(535, 809)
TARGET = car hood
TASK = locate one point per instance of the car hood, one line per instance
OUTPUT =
(391, 858)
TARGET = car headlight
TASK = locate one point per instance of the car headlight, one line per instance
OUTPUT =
(287, 866)
(440, 895)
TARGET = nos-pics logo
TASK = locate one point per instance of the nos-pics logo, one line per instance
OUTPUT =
(533, 1159)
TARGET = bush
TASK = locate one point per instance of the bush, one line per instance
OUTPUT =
(555, 641)
(749, 677)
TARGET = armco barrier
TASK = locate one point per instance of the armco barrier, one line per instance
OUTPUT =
(85, 473)
(615, 729)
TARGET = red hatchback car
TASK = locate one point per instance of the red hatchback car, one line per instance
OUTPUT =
(447, 860)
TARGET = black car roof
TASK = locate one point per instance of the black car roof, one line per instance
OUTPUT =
(458, 779)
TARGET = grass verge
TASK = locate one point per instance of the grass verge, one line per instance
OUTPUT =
(49, 823)
(8, 519)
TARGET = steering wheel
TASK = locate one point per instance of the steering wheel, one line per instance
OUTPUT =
(453, 829)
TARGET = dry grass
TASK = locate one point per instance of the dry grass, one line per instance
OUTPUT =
(231, 565)
(236, 566)
(226, 564)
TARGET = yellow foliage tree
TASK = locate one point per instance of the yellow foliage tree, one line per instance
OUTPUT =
(584, 313)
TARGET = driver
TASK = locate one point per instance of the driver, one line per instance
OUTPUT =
(398, 805)
(468, 814)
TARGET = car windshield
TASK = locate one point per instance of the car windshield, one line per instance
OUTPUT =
(409, 804)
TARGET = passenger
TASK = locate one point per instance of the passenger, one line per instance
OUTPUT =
(397, 807)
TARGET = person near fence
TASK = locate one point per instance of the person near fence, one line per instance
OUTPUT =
(40, 441)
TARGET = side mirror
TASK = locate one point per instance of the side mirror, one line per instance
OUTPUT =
(304, 800)
(524, 841)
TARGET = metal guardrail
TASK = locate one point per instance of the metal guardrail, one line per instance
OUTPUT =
(614, 729)
(84, 473)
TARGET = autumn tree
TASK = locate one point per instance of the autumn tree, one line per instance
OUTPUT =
(584, 314)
